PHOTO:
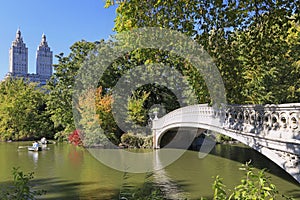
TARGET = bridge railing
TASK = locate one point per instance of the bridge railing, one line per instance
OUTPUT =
(200, 112)
(274, 121)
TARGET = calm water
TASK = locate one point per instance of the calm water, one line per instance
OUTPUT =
(67, 172)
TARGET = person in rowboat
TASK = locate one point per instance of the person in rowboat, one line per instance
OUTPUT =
(35, 145)
(44, 140)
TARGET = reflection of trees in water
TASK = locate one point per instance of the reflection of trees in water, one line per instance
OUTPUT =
(75, 155)
(167, 185)
(242, 154)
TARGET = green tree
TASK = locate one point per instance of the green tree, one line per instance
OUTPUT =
(293, 81)
(61, 87)
(136, 111)
(267, 56)
(123, 67)
(23, 111)
(247, 40)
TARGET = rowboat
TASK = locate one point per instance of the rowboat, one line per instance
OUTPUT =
(34, 148)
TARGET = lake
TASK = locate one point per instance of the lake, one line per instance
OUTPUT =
(69, 172)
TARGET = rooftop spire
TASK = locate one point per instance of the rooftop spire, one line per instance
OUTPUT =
(44, 40)
(18, 34)
(19, 39)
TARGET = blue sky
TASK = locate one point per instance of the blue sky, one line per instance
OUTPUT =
(63, 22)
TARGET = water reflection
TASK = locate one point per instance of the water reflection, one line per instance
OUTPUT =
(242, 154)
(67, 172)
(35, 157)
(162, 179)
(75, 156)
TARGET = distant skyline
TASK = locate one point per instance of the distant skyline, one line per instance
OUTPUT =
(63, 22)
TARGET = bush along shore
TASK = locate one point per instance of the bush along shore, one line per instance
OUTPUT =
(135, 141)
(21, 187)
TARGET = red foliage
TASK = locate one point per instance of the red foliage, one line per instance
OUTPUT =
(75, 139)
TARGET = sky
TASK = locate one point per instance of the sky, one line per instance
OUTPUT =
(62, 21)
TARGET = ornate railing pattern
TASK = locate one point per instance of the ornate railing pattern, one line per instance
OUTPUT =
(270, 121)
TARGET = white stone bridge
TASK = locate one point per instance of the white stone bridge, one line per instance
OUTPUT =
(272, 130)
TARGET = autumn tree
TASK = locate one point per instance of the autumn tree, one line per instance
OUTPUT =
(95, 122)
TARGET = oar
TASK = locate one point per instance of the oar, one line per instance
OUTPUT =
(23, 147)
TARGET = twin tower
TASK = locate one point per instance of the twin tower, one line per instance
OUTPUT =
(18, 60)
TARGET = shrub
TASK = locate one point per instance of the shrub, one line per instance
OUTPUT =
(255, 185)
(131, 140)
(75, 139)
(21, 189)
(148, 142)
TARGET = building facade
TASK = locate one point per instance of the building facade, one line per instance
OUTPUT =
(18, 61)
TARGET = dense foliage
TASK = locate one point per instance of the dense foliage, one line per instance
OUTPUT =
(23, 111)
(255, 44)
(95, 119)
(61, 87)
(21, 188)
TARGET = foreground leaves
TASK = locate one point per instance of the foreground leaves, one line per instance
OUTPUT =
(256, 185)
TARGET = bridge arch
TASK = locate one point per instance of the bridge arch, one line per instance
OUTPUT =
(272, 130)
